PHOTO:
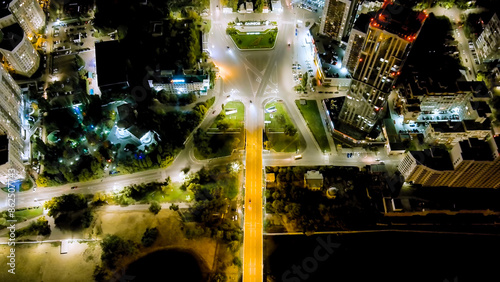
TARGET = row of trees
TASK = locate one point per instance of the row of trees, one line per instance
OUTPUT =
(213, 190)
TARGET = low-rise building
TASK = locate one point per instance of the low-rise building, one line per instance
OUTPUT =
(110, 65)
(313, 180)
(187, 82)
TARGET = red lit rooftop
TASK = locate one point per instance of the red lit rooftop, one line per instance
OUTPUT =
(399, 20)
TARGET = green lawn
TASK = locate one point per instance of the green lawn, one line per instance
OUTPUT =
(310, 112)
(277, 140)
(172, 196)
(255, 41)
(223, 144)
(20, 216)
(235, 120)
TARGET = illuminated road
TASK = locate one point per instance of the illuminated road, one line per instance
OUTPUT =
(252, 244)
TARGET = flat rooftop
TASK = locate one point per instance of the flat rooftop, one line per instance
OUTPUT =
(110, 63)
(435, 158)
(4, 8)
(4, 149)
(399, 20)
(363, 22)
(428, 86)
(475, 149)
(11, 37)
(446, 127)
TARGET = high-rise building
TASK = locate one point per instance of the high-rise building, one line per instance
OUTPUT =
(488, 43)
(471, 163)
(11, 142)
(389, 39)
(29, 15)
(335, 18)
(6, 17)
(356, 41)
(18, 51)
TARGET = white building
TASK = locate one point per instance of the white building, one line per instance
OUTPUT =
(29, 15)
(179, 84)
(18, 51)
(11, 142)
(488, 43)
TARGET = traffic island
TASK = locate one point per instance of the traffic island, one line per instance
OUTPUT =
(253, 35)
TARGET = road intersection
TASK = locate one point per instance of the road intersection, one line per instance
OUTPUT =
(254, 78)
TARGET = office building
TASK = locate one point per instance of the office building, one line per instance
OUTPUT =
(11, 143)
(389, 39)
(18, 51)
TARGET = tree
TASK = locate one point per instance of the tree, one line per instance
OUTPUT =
(114, 248)
(42, 181)
(65, 203)
(149, 236)
(223, 125)
(39, 227)
(290, 130)
(155, 207)
(304, 80)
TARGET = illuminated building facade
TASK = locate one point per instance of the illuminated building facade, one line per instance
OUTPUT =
(29, 15)
(335, 14)
(488, 43)
(18, 51)
(471, 163)
(389, 39)
(11, 143)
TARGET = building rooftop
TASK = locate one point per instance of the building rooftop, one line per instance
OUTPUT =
(399, 20)
(126, 115)
(445, 127)
(4, 149)
(482, 108)
(435, 158)
(4, 8)
(110, 63)
(12, 36)
(471, 125)
(363, 21)
(428, 86)
(475, 149)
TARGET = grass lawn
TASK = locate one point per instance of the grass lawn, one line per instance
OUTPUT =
(237, 119)
(310, 112)
(20, 216)
(172, 196)
(223, 144)
(277, 140)
(255, 41)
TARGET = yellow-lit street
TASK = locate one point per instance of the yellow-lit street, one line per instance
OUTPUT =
(252, 251)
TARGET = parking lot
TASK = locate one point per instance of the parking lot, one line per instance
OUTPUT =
(68, 39)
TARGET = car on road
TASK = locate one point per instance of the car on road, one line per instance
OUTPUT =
(74, 187)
